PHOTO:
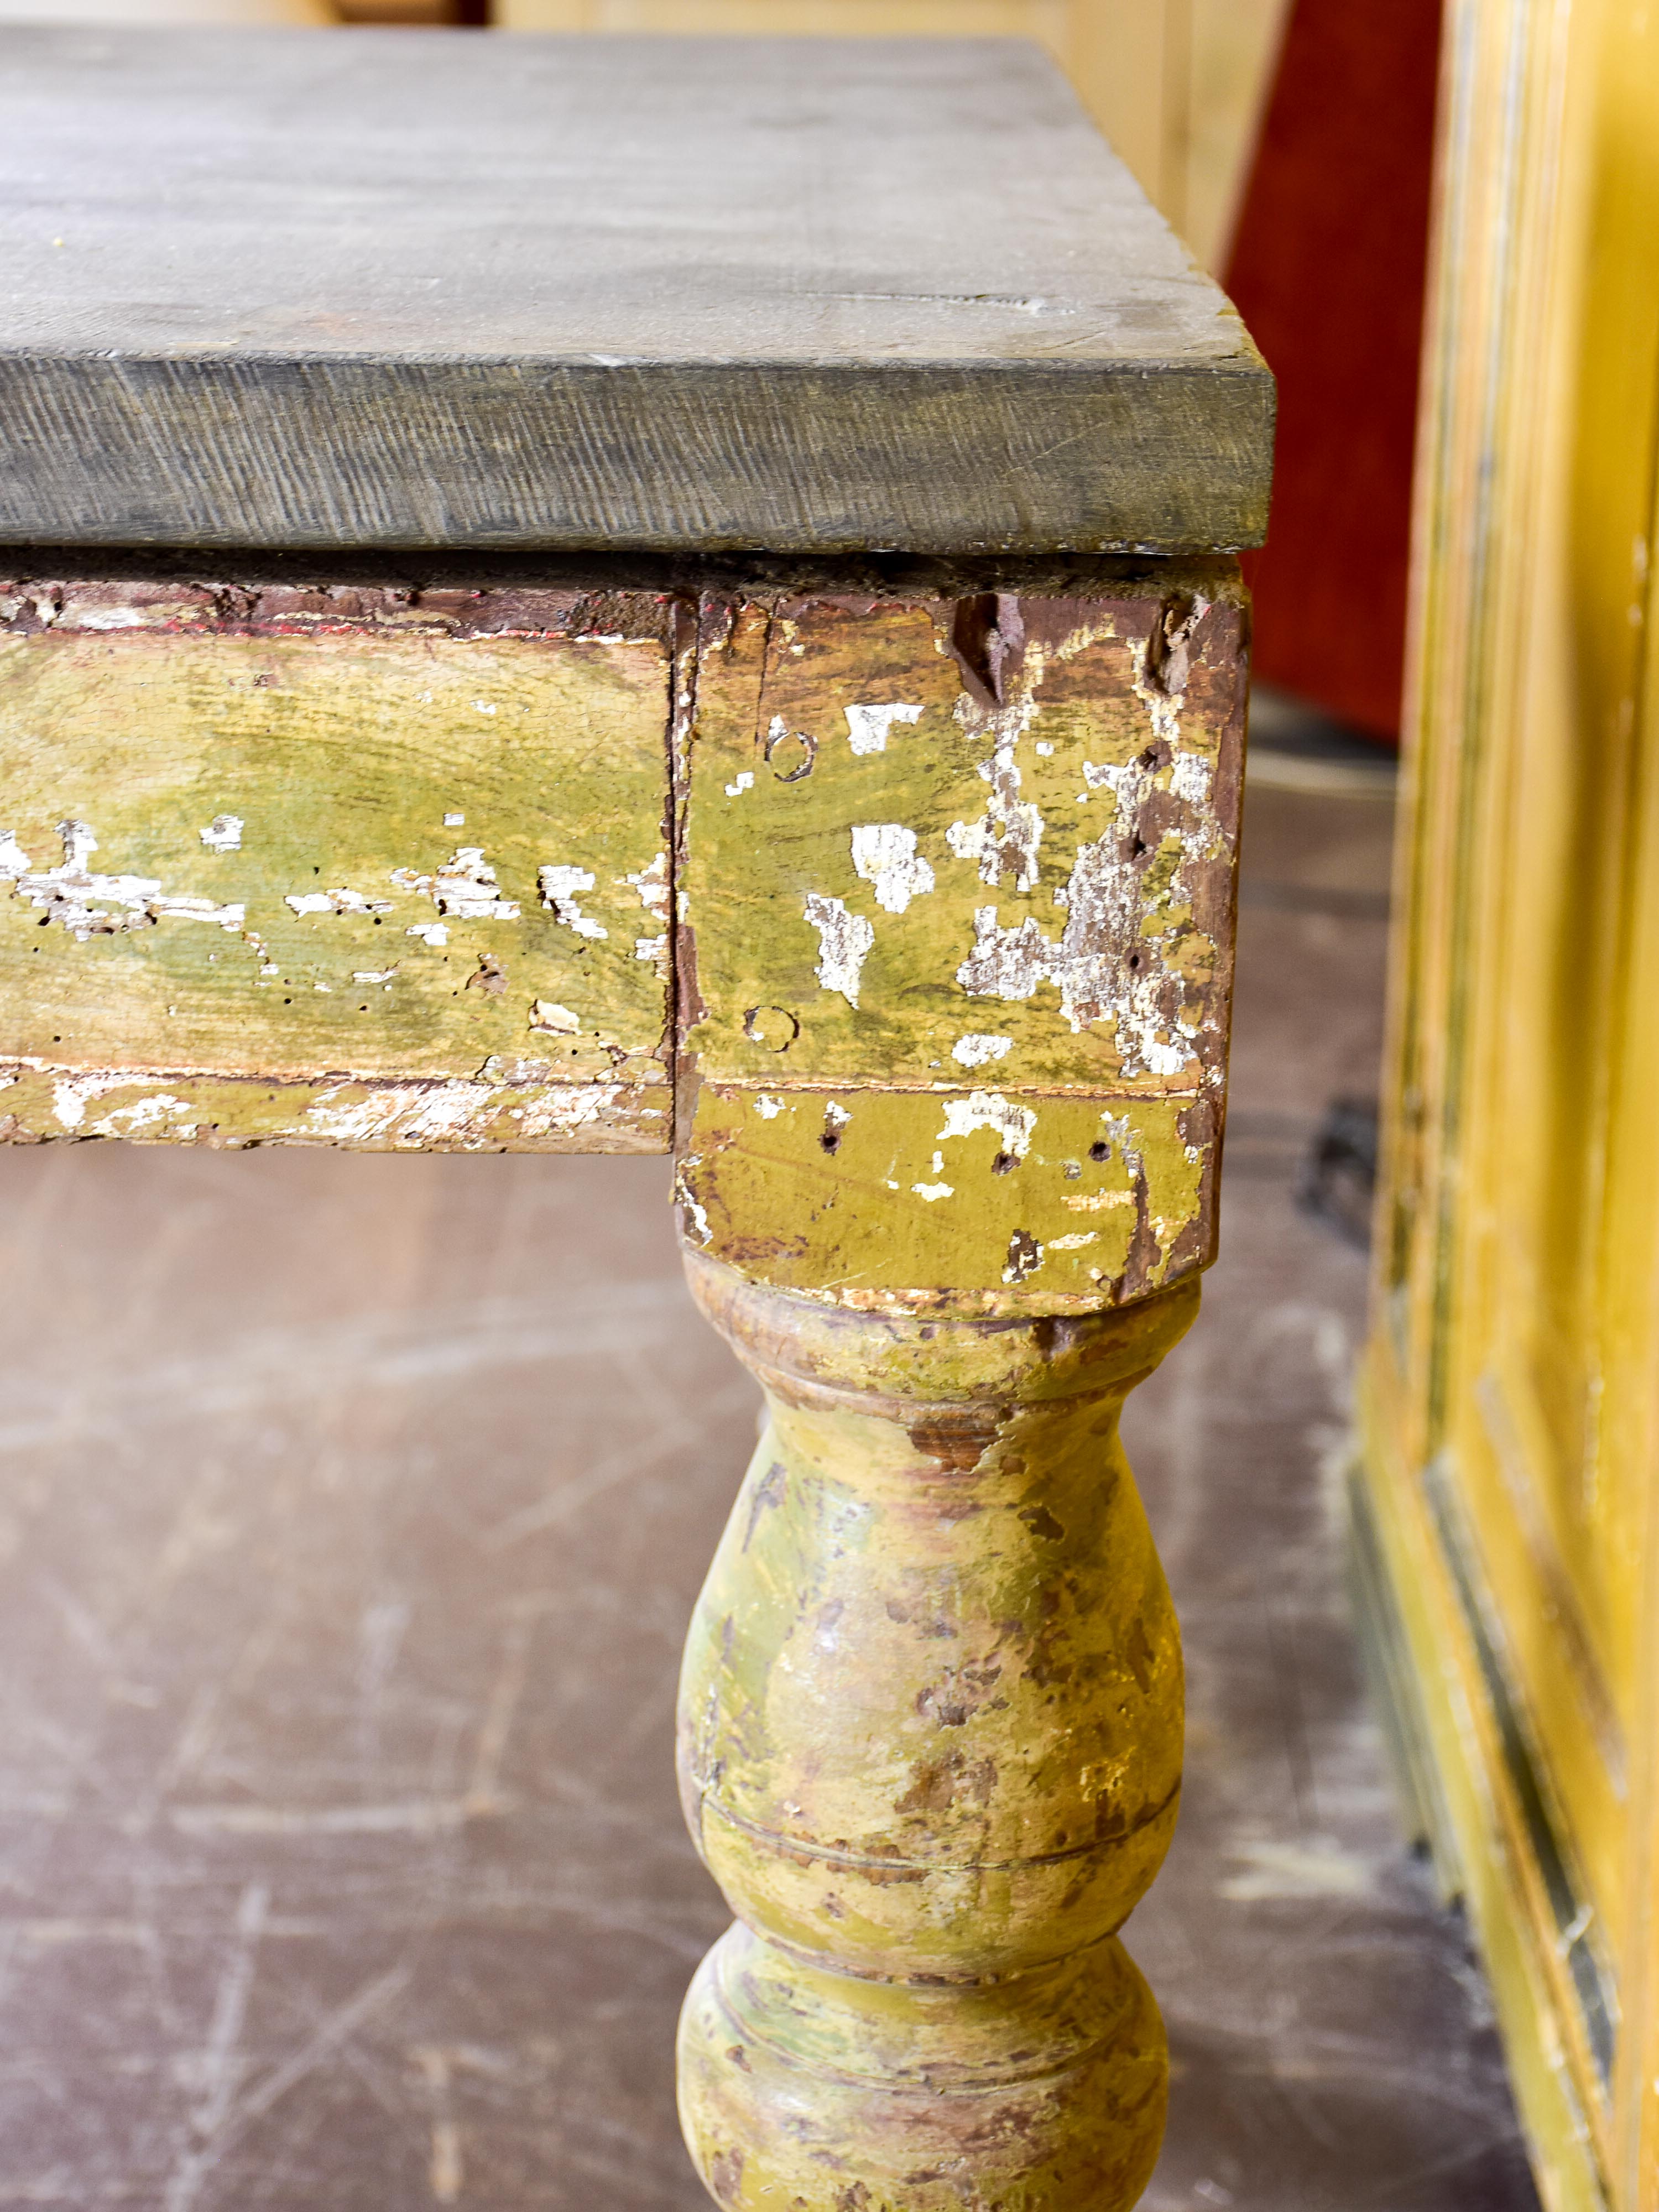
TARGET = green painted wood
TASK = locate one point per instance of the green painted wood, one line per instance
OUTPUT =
(955, 953)
(359, 867)
(930, 1748)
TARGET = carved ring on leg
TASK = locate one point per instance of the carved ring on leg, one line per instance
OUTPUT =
(930, 1748)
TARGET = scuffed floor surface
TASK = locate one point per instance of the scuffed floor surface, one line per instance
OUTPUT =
(352, 1509)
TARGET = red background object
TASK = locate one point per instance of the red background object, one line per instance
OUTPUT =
(1327, 269)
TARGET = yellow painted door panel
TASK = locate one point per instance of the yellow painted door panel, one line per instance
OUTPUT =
(1511, 1392)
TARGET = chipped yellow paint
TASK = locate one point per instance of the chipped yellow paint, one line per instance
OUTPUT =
(1009, 1201)
(1509, 1407)
(954, 867)
(502, 1111)
(913, 824)
(251, 851)
(956, 899)
(930, 1747)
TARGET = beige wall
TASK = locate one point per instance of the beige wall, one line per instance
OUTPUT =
(1178, 85)
(136, 14)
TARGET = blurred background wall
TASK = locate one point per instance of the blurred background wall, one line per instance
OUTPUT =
(1327, 264)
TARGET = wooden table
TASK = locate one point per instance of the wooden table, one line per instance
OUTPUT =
(629, 595)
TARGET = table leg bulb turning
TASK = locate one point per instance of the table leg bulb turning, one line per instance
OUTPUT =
(930, 1748)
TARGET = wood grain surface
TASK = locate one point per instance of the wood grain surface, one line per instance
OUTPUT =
(668, 293)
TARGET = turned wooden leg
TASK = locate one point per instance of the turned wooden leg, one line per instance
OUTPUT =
(954, 899)
(930, 1748)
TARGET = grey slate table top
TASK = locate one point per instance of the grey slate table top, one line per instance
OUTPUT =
(355, 289)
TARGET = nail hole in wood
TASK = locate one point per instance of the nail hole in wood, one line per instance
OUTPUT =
(803, 768)
(775, 1027)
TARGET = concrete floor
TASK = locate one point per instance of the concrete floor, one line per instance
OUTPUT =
(351, 1510)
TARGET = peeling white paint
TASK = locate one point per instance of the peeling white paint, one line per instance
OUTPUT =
(499, 1069)
(767, 1107)
(1190, 777)
(989, 1110)
(1106, 964)
(884, 854)
(109, 618)
(1075, 1242)
(978, 1047)
(464, 888)
(224, 834)
(454, 822)
(559, 886)
(1097, 1201)
(334, 902)
(1025, 1257)
(930, 1191)
(67, 893)
(545, 1014)
(430, 932)
(869, 727)
(696, 1214)
(423, 1113)
(373, 975)
(72, 1094)
(844, 943)
(575, 1106)
(836, 1115)
(652, 884)
(145, 1113)
(745, 781)
(1005, 838)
